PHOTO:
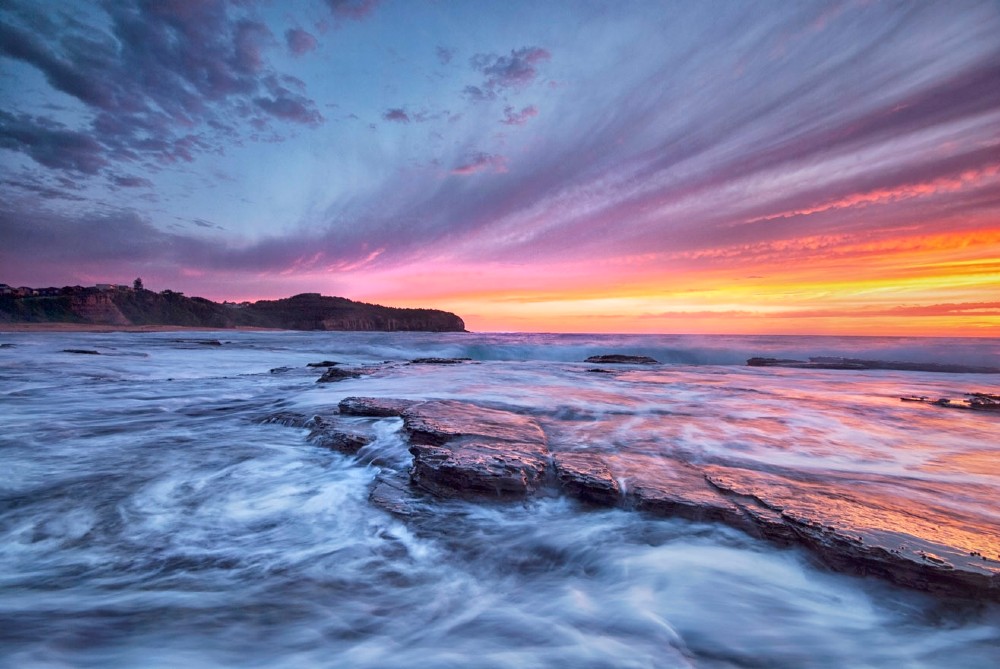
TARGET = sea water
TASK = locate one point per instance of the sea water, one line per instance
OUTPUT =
(148, 518)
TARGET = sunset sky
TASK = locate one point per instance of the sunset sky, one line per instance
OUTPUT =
(671, 167)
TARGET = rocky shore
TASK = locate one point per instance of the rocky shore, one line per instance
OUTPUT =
(498, 454)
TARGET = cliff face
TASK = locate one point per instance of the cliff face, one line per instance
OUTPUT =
(98, 308)
(309, 311)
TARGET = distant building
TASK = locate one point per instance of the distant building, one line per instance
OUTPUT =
(48, 292)
(5, 289)
(25, 291)
(105, 286)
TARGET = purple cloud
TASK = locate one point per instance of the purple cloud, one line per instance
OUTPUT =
(396, 115)
(51, 144)
(299, 41)
(513, 117)
(515, 71)
(351, 9)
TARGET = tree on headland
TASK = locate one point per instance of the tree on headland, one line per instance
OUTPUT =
(137, 284)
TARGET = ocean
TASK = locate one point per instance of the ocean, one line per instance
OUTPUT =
(151, 516)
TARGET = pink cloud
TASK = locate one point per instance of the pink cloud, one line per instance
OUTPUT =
(482, 162)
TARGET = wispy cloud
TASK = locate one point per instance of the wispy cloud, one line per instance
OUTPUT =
(514, 117)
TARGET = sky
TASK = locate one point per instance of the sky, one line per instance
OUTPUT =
(648, 166)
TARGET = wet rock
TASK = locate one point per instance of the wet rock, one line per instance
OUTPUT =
(464, 450)
(5, 345)
(376, 407)
(334, 374)
(616, 359)
(861, 527)
(280, 370)
(598, 370)
(672, 488)
(323, 363)
(655, 484)
(587, 478)
(439, 361)
(81, 351)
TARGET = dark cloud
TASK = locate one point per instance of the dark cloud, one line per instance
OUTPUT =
(51, 144)
(477, 94)
(131, 182)
(352, 9)
(397, 115)
(39, 187)
(163, 80)
(514, 117)
(514, 71)
(299, 41)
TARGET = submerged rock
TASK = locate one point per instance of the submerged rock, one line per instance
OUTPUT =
(334, 374)
(324, 363)
(439, 361)
(616, 359)
(337, 437)
(81, 351)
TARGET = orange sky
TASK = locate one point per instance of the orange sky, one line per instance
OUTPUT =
(927, 285)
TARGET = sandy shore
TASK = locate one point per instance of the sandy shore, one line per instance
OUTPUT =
(86, 327)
